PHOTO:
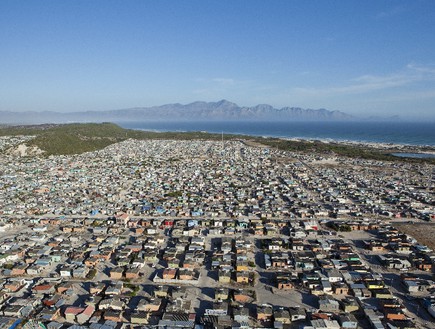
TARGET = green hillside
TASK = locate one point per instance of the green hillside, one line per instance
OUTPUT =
(84, 137)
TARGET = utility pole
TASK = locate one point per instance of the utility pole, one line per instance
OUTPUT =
(223, 145)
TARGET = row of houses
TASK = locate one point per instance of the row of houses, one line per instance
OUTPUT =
(210, 179)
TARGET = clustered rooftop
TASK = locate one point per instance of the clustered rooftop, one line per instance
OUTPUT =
(205, 178)
(201, 234)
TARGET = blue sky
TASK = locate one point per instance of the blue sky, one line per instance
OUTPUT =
(360, 57)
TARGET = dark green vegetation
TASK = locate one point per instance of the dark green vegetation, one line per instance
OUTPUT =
(91, 274)
(319, 147)
(78, 138)
(340, 149)
(339, 228)
(72, 138)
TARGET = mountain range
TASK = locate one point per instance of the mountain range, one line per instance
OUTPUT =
(196, 111)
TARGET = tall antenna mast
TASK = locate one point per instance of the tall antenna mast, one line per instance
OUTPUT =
(223, 142)
(431, 179)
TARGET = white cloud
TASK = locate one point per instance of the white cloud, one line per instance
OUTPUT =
(409, 76)
(224, 81)
(394, 11)
(222, 87)
(429, 69)
(410, 96)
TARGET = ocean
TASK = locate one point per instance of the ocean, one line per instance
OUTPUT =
(409, 133)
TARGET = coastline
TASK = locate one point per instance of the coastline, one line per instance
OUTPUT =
(389, 147)
(380, 145)
(395, 135)
(91, 137)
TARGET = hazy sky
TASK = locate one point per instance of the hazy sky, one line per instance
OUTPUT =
(360, 57)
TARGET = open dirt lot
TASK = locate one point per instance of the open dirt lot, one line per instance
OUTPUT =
(423, 232)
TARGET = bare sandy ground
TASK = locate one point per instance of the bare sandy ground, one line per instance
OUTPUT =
(23, 150)
(424, 233)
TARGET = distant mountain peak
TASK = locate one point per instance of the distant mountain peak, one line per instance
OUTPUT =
(225, 102)
(199, 110)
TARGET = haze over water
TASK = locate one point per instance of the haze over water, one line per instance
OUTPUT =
(377, 132)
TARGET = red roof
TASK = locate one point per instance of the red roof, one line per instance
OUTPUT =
(74, 310)
(43, 287)
(89, 310)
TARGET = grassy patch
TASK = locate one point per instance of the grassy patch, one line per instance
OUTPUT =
(339, 149)
(91, 274)
(78, 138)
